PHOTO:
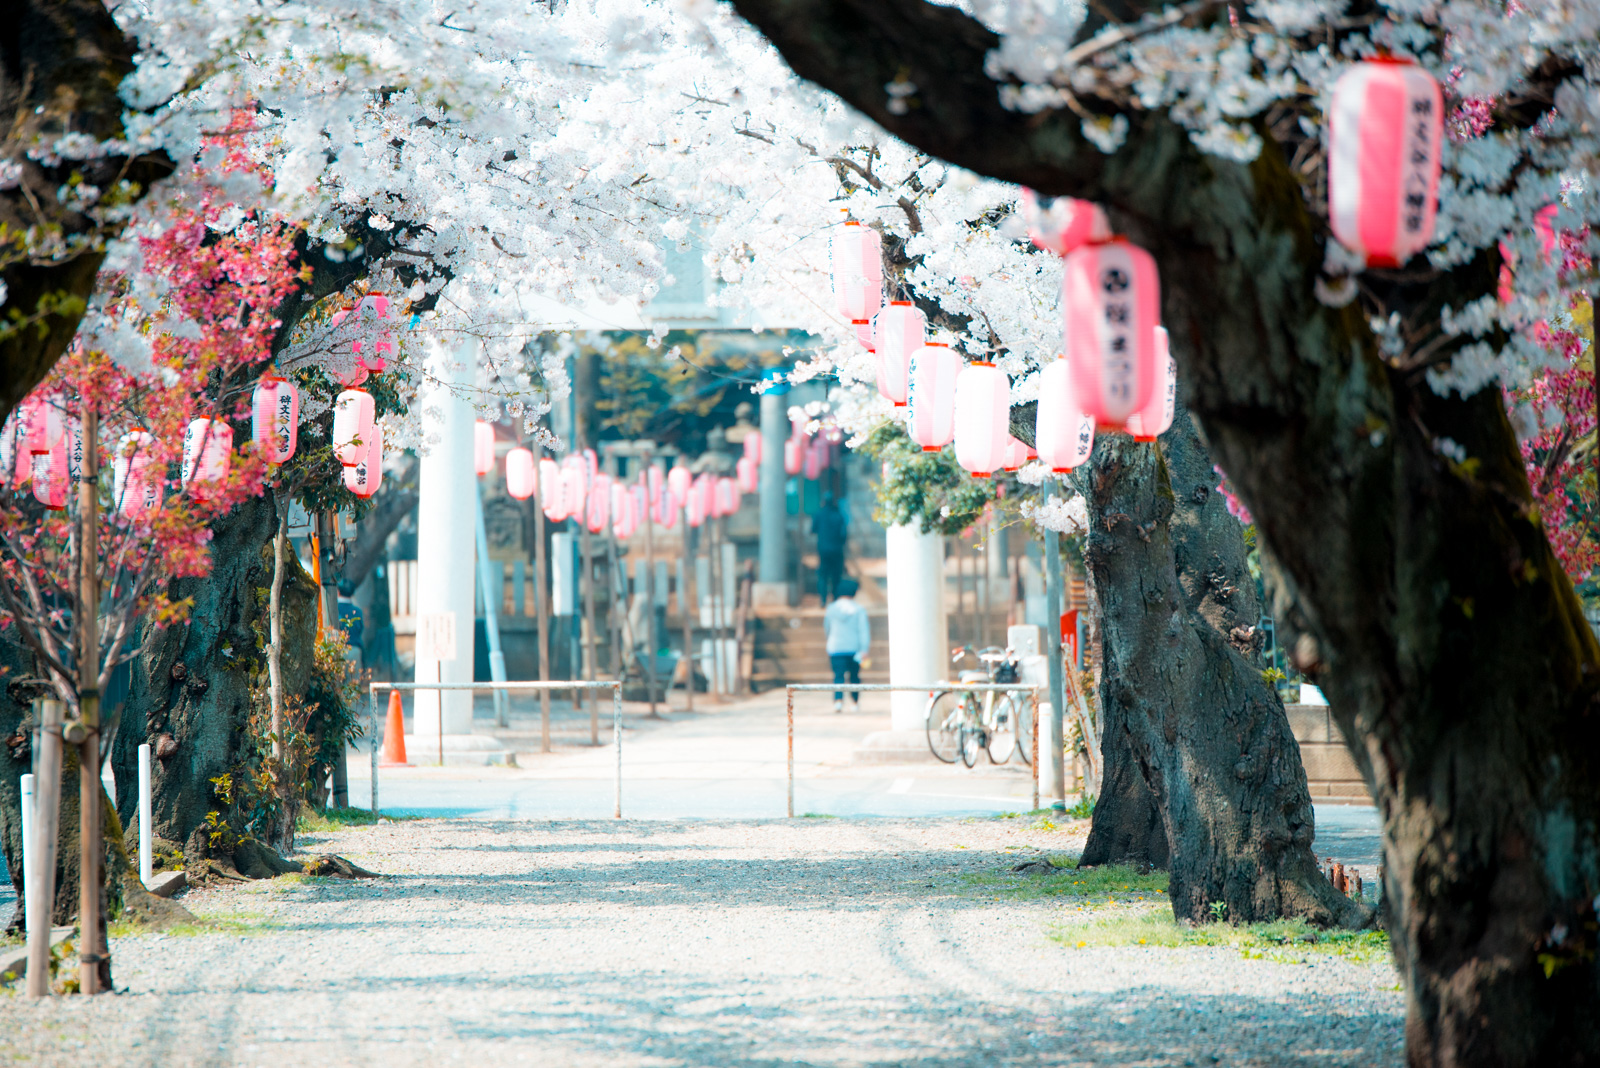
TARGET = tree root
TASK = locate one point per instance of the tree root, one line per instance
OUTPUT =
(255, 860)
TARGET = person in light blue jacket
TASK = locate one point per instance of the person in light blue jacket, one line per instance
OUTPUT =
(849, 635)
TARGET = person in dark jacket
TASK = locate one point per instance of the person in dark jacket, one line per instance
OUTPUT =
(832, 530)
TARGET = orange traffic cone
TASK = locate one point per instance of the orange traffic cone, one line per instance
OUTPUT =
(394, 736)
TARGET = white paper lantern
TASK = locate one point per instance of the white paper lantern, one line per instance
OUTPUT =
(931, 396)
(521, 473)
(599, 506)
(857, 272)
(1154, 418)
(207, 454)
(353, 415)
(678, 482)
(50, 478)
(982, 418)
(482, 448)
(135, 479)
(1063, 433)
(275, 418)
(364, 478)
(747, 474)
(1111, 298)
(902, 330)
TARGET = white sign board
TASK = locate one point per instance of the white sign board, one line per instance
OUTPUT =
(436, 636)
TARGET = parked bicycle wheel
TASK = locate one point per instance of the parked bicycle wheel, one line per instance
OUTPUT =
(971, 741)
(1022, 715)
(946, 715)
(1003, 730)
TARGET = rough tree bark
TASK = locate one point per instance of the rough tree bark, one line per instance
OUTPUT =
(1207, 732)
(1127, 827)
(60, 64)
(1440, 624)
(190, 691)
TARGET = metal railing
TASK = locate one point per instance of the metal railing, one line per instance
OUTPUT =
(562, 684)
(938, 687)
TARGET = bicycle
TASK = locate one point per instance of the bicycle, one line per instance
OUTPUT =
(961, 722)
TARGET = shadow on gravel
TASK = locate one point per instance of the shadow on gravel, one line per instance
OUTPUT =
(733, 1024)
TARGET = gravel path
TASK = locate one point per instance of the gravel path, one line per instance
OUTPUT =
(749, 943)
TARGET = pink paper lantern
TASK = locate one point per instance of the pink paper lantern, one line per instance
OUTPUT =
(353, 415)
(1385, 126)
(747, 474)
(902, 330)
(11, 442)
(706, 487)
(550, 495)
(794, 456)
(364, 478)
(45, 425)
(931, 396)
(678, 481)
(1111, 298)
(669, 510)
(752, 447)
(640, 508)
(1154, 418)
(858, 272)
(521, 473)
(135, 476)
(1017, 454)
(376, 345)
(275, 418)
(727, 496)
(621, 511)
(50, 477)
(597, 509)
(982, 418)
(207, 453)
(694, 504)
(811, 467)
(576, 486)
(1062, 432)
(1061, 224)
(482, 448)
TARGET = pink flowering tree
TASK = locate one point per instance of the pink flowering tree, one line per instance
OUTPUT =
(219, 293)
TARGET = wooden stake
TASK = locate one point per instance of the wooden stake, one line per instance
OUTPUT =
(92, 947)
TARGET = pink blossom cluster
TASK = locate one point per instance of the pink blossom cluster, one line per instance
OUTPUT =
(1236, 507)
(214, 325)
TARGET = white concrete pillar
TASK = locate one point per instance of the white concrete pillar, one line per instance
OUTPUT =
(445, 537)
(918, 638)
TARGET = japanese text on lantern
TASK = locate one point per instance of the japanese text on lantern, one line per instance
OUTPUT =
(285, 419)
(1118, 320)
(1421, 159)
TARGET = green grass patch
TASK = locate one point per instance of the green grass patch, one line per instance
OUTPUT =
(817, 816)
(1284, 941)
(1116, 882)
(315, 821)
(233, 923)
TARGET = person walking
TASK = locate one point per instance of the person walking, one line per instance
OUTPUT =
(832, 531)
(849, 637)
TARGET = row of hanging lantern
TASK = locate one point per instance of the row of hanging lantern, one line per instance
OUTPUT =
(1116, 372)
(808, 451)
(576, 488)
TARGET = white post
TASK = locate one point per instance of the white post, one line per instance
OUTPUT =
(29, 850)
(144, 814)
(918, 638)
(46, 824)
(445, 543)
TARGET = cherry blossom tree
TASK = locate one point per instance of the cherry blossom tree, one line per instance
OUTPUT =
(1352, 409)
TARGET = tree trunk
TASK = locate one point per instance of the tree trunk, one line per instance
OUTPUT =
(191, 687)
(1127, 826)
(61, 62)
(1441, 626)
(1208, 732)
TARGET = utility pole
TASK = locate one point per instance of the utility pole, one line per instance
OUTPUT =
(93, 949)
